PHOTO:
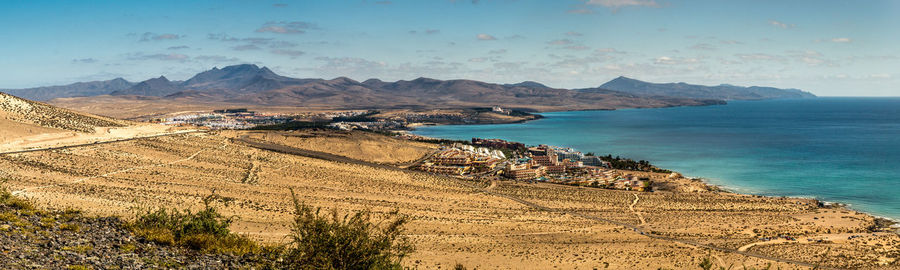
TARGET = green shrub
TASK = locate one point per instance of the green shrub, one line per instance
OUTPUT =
(7, 199)
(345, 242)
(206, 230)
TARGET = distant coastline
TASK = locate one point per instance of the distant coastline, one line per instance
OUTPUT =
(726, 187)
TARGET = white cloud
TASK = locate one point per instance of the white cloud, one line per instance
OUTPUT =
(665, 60)
(703, 47)
(781, 24)
(564, 41)
(578, 47)
(286, 27)
(485, 37)
(148, 36)
(248, 47)
(623, 3)
(574, 34)
(216, 58)
(290, 53)
(160, 56)
(747, 57)
(84, 60)
(837, 40)
(606, 50)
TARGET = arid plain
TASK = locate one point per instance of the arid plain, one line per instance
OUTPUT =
(483, 225)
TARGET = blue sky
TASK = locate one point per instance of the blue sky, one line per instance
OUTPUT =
(842, 48)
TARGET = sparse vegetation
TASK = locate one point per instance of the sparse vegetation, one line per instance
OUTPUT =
(629, 164)
(8, 200)
(70, 227)
(206, 230)
(294, 125)
(321, 241)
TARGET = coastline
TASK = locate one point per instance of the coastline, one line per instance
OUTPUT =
(893, 222)
(538, 115)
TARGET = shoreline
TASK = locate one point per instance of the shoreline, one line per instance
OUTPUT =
(538, 115)
(894, 221)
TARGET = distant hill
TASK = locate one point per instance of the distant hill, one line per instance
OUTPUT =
(230, 81)
(252, 85)
(684, 90)
(531, 84)
(155, 87)
(81, 89)
(431, 93)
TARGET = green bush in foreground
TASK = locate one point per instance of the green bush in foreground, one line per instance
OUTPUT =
(345, 242)
(206, 230)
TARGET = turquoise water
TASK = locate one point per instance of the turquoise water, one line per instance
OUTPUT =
(834, 149)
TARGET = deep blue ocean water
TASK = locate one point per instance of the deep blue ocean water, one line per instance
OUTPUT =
(834, 149)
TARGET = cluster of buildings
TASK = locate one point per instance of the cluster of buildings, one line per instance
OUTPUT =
(542, 163)
(241, 118)
(547, 160)
(379, 125)
(463, 159)
(225, 119)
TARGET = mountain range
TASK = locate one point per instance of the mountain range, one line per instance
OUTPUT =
(80, 89)
(723, 91)
(254, 85)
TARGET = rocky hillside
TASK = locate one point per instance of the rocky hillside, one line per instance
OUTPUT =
(39, 114)
(37, 239)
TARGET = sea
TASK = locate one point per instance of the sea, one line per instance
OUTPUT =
(835, 149)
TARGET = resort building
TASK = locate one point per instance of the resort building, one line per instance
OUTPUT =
(440, 169)
(524, 171)
(453, 157)
(556, 169)
(547, 160)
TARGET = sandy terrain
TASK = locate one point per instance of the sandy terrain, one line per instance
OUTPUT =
(454, 221)
(141, 108)
(353, 144)
(59, 138)
(26, 124)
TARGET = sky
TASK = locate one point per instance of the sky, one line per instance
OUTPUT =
(830, 48)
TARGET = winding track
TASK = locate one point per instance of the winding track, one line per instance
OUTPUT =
(101, 142)
(489, 190)
(631, 207)
(79, 180)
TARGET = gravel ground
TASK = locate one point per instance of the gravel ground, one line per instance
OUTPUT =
(33, 239)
